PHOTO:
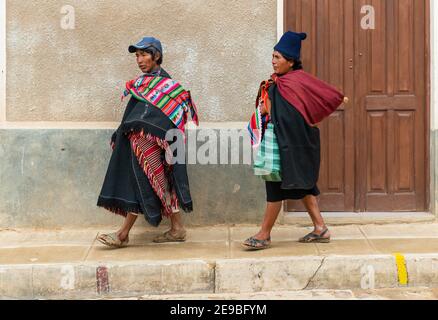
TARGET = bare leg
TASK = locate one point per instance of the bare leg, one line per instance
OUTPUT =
(177, 233)
(129, 222)
(312, 207)
(176, 223)
(271, 215)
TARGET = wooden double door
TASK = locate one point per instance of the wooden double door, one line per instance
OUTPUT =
(374, 149)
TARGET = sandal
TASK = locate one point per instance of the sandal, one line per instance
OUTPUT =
(166, 237)
(256, 244)
(112, 240)
(316, 238)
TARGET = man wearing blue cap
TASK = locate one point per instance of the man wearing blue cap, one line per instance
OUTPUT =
(139, 180)
(149, 53)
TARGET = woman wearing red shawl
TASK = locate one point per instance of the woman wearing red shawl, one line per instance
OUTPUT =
(294, 102)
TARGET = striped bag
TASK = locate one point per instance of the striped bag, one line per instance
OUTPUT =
(267, 164)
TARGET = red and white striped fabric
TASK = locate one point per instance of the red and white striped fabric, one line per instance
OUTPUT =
(148, 150)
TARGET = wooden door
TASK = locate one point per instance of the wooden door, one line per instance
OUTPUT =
(328, 53)
(374, 154)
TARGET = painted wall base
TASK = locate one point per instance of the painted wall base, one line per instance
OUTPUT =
(51, 178)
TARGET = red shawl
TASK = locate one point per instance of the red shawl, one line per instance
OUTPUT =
(313, 98)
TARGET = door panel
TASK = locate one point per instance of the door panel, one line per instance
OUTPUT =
(389, 93)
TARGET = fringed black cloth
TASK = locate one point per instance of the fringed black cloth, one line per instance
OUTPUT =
(126, 188)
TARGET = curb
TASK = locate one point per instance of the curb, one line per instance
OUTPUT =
(102, 280)
(93, 280)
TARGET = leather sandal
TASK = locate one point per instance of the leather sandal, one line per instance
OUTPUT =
(315, 238)
(256, 244)
(180, 236)
(112, 240)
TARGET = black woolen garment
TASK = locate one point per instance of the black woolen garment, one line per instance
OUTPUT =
(126, 188)
(300, 152)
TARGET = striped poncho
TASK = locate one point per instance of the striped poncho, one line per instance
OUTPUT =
(166, 94)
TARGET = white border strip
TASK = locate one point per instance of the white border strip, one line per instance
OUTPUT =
(434, 64)
(108, 125)
(433, 105)
(57, 125)
(2, 61)
(280, 19)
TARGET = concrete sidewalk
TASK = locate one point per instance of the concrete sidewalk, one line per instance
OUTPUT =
(379, 294)
(71, 263)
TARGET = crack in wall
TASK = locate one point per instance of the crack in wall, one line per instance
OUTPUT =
(314, 275)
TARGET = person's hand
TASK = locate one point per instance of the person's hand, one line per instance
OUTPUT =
(346, 100)
(113, 140)
(263, 110)
(266, 109)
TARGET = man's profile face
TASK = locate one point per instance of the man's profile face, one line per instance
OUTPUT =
(146, 62)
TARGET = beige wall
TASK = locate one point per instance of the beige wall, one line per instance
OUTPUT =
(219, 49)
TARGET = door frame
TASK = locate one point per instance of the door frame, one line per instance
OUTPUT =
(430, 168)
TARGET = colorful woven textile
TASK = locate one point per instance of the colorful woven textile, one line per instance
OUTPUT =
(167, 95)
(148, 150)
(258, 123)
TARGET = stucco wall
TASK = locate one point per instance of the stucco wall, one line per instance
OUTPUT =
(219, 49)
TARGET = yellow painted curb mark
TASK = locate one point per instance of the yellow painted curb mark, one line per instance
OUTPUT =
(401, 269)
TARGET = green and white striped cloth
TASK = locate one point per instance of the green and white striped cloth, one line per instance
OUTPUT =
(267, 164)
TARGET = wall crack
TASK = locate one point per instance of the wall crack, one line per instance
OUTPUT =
(314, 275)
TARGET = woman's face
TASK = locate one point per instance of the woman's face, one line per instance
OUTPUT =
(280, 64)
(146, 61)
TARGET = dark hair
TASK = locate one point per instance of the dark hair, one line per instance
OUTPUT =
(154, 52)
(298, 65)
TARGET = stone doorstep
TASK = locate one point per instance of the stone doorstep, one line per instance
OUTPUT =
(360, 218)
(231, 276)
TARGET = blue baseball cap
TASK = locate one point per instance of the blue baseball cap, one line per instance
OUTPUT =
(145, 43)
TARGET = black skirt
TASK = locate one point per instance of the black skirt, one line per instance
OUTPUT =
(274, 192)
(300, 150)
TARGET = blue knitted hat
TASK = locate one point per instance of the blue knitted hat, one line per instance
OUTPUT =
(290, 45)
